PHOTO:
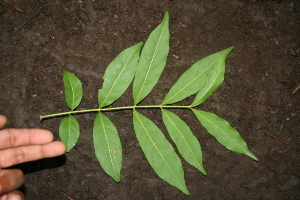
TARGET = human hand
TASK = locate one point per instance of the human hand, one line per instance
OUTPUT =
(18, 146)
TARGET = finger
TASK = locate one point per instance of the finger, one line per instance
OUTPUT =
(20, 137)
(13, 156)
(14, 195)
(10, 179)
(2, 121)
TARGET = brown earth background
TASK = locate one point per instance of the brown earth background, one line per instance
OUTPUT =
(43, 38)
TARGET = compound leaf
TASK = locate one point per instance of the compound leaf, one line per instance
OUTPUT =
(73, 89)
(118, 75)
(152, 61)
(223, 132)
(107, 146)
(159, 152)
(69, 132)
(187, 144)
(198, 77)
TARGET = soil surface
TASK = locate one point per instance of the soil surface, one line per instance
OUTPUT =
(259, 96)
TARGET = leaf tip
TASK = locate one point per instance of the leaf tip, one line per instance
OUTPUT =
(68, 149)
(166, 17)
(251, 155)
(228, 50)
(117, 179)
(254, 157)
(140, 43)
(65, 72)
(186, 192)
(166, 14)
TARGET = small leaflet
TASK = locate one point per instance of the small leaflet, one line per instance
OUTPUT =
(73, 89)
(69, 132)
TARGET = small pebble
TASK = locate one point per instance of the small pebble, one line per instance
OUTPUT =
(293, 114)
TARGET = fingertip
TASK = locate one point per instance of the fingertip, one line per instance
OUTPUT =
(41, 136)
(50, 134)
(15, 195)
(61, 148)
(53, 149)
(3, 121)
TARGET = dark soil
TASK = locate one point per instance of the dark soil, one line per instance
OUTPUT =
(83, 37)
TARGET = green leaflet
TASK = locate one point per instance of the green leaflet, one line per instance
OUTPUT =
(205, 75)
(213, 81)
(107, 146)
(223, 132)
(187, 144)
(152, 61)
(119, 75)
(159, 152)
(73, 89)
(69, 132)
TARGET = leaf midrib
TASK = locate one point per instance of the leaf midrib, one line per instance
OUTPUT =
(108, 146)
(72, 92)
(69, 132)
